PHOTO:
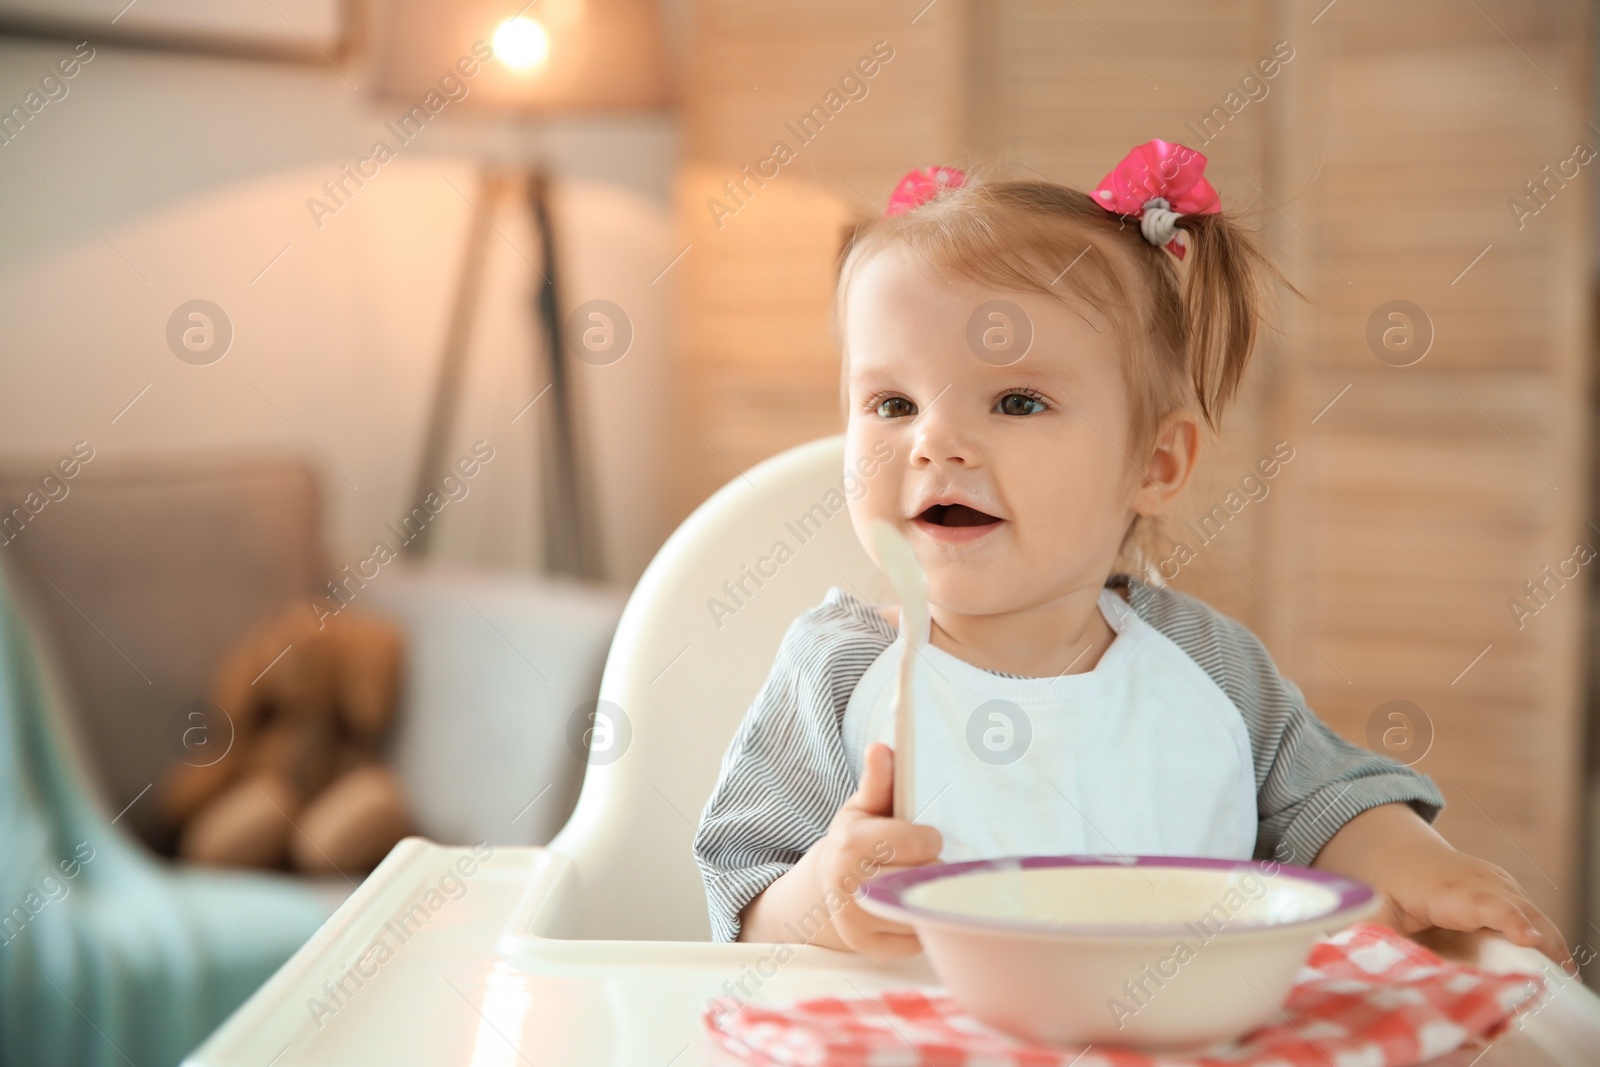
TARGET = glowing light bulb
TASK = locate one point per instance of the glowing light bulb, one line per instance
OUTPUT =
(521, 43)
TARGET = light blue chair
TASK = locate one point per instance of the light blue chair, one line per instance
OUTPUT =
(108, 956)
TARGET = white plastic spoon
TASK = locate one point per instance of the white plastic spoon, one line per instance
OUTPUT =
(898, 559)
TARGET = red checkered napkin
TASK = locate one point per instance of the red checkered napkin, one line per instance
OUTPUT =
(1365, 996)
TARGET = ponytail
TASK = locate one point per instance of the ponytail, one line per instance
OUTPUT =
(1223, 299)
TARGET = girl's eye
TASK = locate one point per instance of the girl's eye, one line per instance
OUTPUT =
(893, 407)
(1020, 403)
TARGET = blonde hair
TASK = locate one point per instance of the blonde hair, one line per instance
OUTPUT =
(1187, 331)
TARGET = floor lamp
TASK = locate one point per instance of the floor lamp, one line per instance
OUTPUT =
(555, 57)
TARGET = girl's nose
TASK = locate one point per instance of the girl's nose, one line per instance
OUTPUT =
(939, 438)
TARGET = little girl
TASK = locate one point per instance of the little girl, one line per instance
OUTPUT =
(1028, 369)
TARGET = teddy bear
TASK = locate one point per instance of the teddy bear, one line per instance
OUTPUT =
(299, 708)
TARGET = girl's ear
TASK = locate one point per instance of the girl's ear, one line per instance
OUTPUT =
(1170, 464)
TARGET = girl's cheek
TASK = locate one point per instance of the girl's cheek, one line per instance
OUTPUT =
(874, 497)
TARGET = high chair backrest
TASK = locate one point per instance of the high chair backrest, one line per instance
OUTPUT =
(692, 649)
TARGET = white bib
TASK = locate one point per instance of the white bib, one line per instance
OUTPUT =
(1144, 755)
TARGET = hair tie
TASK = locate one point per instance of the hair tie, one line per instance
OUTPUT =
(1158, 183)
(921, 185)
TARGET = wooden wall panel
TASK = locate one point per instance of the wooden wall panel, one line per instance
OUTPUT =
(1431, 492)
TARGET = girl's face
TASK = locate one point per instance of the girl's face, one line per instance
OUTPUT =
(1008, 478)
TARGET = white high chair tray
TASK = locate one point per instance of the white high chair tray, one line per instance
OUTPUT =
(462, 978)
(467, 985)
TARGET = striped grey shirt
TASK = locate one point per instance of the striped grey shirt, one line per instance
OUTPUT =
(785, 773)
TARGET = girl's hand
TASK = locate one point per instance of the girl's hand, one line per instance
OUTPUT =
(1426, 883)
(1454, 891)
(862, 841)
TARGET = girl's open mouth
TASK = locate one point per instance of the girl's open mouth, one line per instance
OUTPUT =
(955, 522)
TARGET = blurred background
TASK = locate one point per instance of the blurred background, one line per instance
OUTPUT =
(356, 357)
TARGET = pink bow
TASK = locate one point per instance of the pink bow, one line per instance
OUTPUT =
(1163, 169)
(921, 185)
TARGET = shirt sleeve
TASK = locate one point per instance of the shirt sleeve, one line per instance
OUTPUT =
(785, 773)
(1309, 780)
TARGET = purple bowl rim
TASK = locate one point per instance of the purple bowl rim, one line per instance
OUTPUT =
(889, 890)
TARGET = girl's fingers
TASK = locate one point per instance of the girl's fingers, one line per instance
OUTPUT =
(878, 922)
(1548, 939)
(1514, 917)
(875, 794)
(1524, 924)
(1482, 908)
(868, 842)
(875, 936)
(890, 946)
(890, 928)
(909, 844)
(869, 924)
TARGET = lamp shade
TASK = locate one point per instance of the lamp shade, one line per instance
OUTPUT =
(547, 56)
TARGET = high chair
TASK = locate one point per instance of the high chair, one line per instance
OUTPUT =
(691, 651)
(595, 949)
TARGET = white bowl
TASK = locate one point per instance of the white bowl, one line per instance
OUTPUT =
(1164, 953)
